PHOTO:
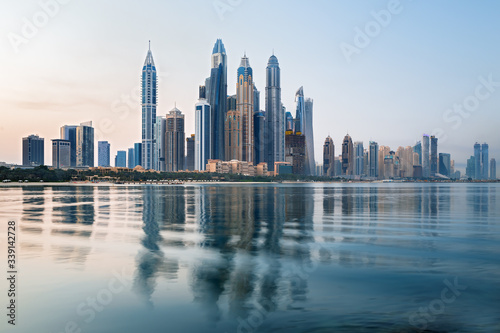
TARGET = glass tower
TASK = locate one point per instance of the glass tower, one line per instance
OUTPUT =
(149, 103)
(275, 117)
(244, 106)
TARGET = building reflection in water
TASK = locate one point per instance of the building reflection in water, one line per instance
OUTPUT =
(33, 205)
(73, 204)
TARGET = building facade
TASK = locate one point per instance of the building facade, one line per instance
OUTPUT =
(61, 153)
(174, 141)
(203, 135)
(347, 156)
(373, 160)
(85, 145)
(103, 154)
(426, 166)
(328, 157)
(434, 156)
(149, 104)
(244, 95)
(121, 159)
(190, 152)
(33, 151)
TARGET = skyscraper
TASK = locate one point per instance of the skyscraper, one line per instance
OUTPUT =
(137, 154)
(288, 122)
(445, 164)
(470, 170)
(485, 161)
(426, 168)
(434, 156)
(308, 132)
(259, 121)
(159, 144)
(256, 99)
(358, 158)
(33, 150)
(299, 111)
(174, 141)
(103, 154)
(68, 132)
(85, 145)
(121, 159)
(203, 135)
(347, 156)
(233, 133)
(149, 103)
(244, 95)
(478, 171)
(493, 169)
(275, 118)
(373, 160)
(61, 153)
(418, 149)
(295, 152)
(190, 153)
(216, 91)
(131, 158)
(329, 157)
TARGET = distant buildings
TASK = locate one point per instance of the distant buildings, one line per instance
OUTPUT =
(81, 140)
(493, 169)
(33, 151)
(174, 141)
(426, 167)
(138, 154)
(358, 159)
(131, 158)
(103, 154)
(328, 157)
(61, 153)
(445, 164)
(373, 160)
(434, 156)
(481, 160)
(121, 159)
(259, 122)
(190, 143)
(159, 145)
(309, 134)
(347, 156)
(295, 152)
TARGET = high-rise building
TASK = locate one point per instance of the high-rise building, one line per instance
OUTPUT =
(299, 111)
(493, 169)
(295, 152)
(485, 161)
(259, 122)
(308, 132)
(288, 122)
(121, 159)
(217, 98)
(275, 116)
(347, 156)
(231, 103)
(131, 158)
(137, 154)
(373, 160)
(85, 145)
(418, 149)
(203, 135)
(470, 170)
(382, 153)
(426, 167)
(478, 171)
(359, 158)
(406, 161)
(190, 153)
(244, 95)
(256, 99)
(233, 133)
(174, 141)
(149, 104)
(103, 154)
(445, 164)
(33, 151)
(68, 132)
(159, 129)
(61, 153)
(329, 157)
(434, 156)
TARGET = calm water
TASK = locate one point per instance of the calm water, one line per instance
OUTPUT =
(256, 258)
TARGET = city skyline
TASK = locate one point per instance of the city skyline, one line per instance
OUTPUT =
(343, 113)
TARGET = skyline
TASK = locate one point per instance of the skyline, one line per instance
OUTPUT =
(343, 101)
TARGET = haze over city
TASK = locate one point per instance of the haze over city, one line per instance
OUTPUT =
(84, 63)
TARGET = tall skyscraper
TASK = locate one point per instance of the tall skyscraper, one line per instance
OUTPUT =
(493, 169)
(121, 159)
(347, 156)
(259, 121)
(329, 157)
(383, 152)
(131, 158)
(103, 154)
(203, 135)
(299, 111)
(33, 151)
(68, 132)
(485, 161)
(256, 99)
(190, 153)
(149, 103)
(359, 157)
(426, 167)
(275, 117)
(445, 164)
(295, 152)
(174, 141)
(418, 149)
(233, 133)
(288, 122)
(137, 154)
(244, 95)
(308, 132)
(216, 91)
(159, 144)
(434, 156)
(373, 160)
(470, 170)
(477, 160)
(61, 153)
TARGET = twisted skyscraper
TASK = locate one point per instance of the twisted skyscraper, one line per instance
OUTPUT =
(149, 100)
(275, 117)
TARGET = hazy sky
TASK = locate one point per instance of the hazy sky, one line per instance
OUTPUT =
(426, 67)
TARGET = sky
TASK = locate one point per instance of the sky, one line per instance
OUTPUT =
(385, 71)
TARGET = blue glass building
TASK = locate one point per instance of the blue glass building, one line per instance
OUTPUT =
(149, 103)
